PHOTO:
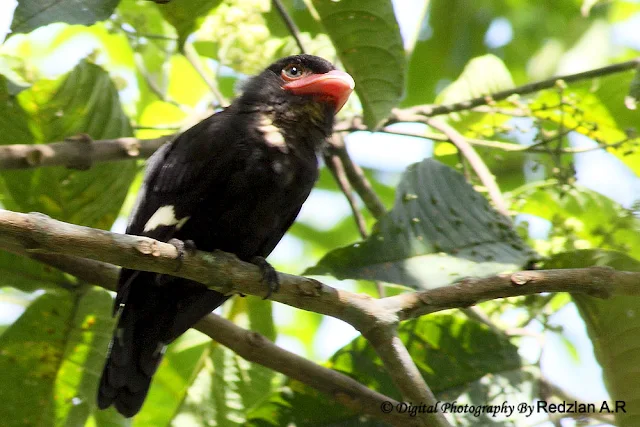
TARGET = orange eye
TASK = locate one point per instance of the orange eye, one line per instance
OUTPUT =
(292, 72)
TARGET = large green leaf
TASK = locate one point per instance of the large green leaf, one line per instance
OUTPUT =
(439, 230)
(368, 42)
(186, 16)
(85, 101)
(613, 326)
(581, 216)
(31, 14)
(51, 359)
(180, 366)
(460, 359)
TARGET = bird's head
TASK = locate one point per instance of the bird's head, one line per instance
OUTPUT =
(299, 90)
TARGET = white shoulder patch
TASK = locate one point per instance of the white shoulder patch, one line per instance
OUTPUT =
(165, 216)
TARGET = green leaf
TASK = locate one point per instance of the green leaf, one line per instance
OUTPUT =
(438, 231)
(51, 359)
(186, 17)
(597, 109)
(222, 390)
(84, 102)
(459, 358)
(585, 218)
(481, 76)
(442, 50)
(31, 14)
(183, 360)
(368, 42)
(613, 326)
(27, 275)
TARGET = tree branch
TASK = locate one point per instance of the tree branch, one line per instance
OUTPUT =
(478, 165)
(357, 178)
(77, 151)
(252, 346)
(291, 25)
(37, 234)
(437, 110)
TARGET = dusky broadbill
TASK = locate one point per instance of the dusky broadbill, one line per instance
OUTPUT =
(234, 182)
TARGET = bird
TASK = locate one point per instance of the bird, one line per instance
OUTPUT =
(234, 182)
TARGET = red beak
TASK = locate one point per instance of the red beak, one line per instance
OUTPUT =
(334, 87)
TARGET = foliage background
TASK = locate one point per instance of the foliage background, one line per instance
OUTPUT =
(118, 68)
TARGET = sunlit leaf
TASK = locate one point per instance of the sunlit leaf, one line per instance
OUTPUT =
(582, 215)
(31, 14)
(85, 101)
(368, 42)
(51, 359)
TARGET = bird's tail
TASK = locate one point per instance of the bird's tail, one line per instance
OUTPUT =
(157, 309)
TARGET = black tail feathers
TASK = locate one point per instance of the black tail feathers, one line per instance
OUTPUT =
(157, 310)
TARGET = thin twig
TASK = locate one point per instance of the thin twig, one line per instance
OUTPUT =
(153, 86)
(436, 110)
(476, 162)
(194, 59)
(291, 25)
(335, 166)
(357, 178)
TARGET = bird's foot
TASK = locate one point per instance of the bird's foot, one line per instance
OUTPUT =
(269, 274)
(183, 247)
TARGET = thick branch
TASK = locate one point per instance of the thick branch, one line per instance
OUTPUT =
(250, 345)
(39, 234)
(77, 151)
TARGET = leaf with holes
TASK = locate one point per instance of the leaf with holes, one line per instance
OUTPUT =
(367, 38)
(438, 231)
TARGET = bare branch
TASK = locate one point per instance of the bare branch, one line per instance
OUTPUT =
(437, 110)
(194, 59)
(76, 152)
(250, 345)
(335, 166)
(37, 234)
(357, 178)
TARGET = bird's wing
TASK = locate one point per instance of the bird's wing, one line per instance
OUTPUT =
(178, 175)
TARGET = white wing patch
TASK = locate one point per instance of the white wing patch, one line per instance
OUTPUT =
(165, 216)
(271, 133)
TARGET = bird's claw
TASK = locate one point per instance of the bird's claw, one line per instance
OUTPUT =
(182, 247)
(269, 274)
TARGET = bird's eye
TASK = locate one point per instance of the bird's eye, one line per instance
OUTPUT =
(292, 72)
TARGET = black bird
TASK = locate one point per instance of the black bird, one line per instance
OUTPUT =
(235, 182)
